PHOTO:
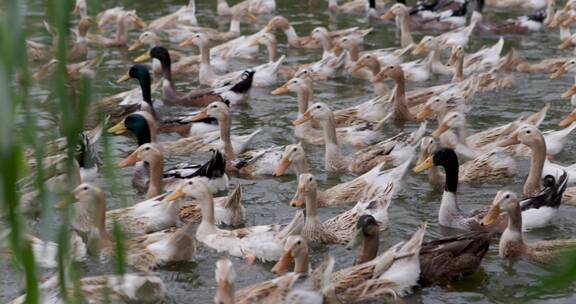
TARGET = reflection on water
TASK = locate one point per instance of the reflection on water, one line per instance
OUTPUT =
(266, 200)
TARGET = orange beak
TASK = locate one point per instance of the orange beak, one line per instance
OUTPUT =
(569, 119)
(419, 49)
(424, 113)
(571, 92)
(187, 42)
(137, 44)
(554, 22)
(284, 263)
(283, 166)
(559, 72)
(306, 117)
(453, 59)
(389, 15)
(299, 199)
(440, 130)
(512, 140)
(357, 66)
(130, 160)
(140, 24)
(492, 214)
(200, 116)
(281, 90)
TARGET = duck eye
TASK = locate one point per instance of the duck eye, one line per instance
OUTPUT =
(295, 149)
(318, 107)
(528, 132)
(299, 242)
(147, 148)
(85, 188)
(310, 179)
(190, 183)
(507, 196)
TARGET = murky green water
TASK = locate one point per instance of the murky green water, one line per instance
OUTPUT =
(266, 199)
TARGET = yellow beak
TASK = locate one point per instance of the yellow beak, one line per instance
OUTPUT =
(135, 45)
(441, 129)
(125, 77)
(176, 194)
(119, 128)
(424, 113)
(306, 117)
(200, 116)
(281, 90)
(492, 215)
(144, 57)
(425, 165)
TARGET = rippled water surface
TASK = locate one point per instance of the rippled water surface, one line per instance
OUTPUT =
(266, 199)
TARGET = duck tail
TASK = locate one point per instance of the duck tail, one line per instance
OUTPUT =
(224, 272)
(413, 245)
(214, 168)
(419, 133)
(235, 199)
(537, 118)
(278, 63)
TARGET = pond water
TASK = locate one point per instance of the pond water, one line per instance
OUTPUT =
(266, 200)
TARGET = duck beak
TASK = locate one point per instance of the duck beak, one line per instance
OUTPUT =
(453, 59)
(512, 140)
(356, 240)
(567, 22)
(307, 40)
(424, 113)
(298, 199)
(119, 128)
(60, 205)
(187, 42)
(251, 16)
(283, 166)
(571, 92)
(568, 120)
(419, 49)
(135, 45)
(381, 76)
(130, 160)
(199, 117)
(284, 263)
(357, 66)
(175, 195)
(281, 90)
(140, 24)
(440, 130)
(144, 57)
(268, 28)
(559, 72)
(389, 15)
(124, 78)
(306, 117)
(425, 165)
(492, 214)
(565, 44)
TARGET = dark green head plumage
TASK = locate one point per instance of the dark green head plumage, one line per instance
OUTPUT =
(138, 125)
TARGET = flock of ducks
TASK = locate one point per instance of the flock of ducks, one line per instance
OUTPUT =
(181, 210)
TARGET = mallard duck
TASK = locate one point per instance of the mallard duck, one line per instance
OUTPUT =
(450, 259)
(136, 287)
(393, 272)
(125, 21)
(235, 93)
(257, 242)
(450, 214)
(185, 15)
(355, 6)
(519, 25)
(144, 128)
(439, 15)
(294, 40)
(145, 252)
(512, 245)
(367, 235)
(253, 162)
(151, 40)
(339, 229)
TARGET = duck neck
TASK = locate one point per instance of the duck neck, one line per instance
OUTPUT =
(100, 217)
(311, 204)
(331, 141)
(155, 186)
(532, 185)
(303, 101)
(375, 67)
(354, 53)
(167, 68)
(146, 87)
(272, 51)
(405, 34)
(459, 70)
(512, 235)
(326, 44)
(369, 249)
(205, 54)
(207, 207)
(301, 166)
(401, 111)
(225, 130)
(144, 135)
(121, 31)
(451, 178)
(291, 34)
(301, 263)
(235, 24)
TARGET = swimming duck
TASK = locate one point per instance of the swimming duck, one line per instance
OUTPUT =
(136, 287)
(151, 40)
(505, 4)
(228, 210)
(185, 15)
(269, 40)
(355, 6)
(253, 162)
(339, 229)
(145, 252)
(520, 25)
(393, 272)
(400, 12)
(439, 14)
(74, 71)
(257, 242)
(512, 244)
(294, 40)
(125, 21)
(235, 93)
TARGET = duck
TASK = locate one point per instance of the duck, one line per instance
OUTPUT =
(287, 288)
(253, 243)
(369, 63)
(250, 163)
(441, 261)
(562, 19)
(393, 272)
(518, 26)
(74, 71)
(36, 51)
(228, 210)
(269, 41)
(355, 6)
(438, 106)
(234, 93)
(512, 244)
(401, 13)
(257, 7)
(483, 60)
(338, 229)
(400, 111)
(568, 66)
(145, 252)
(439, 15)
(144, 128)
(142, 75)
(135, 287)
(125, 21)
(295, 41)
(506, 4)
(151, 39)
(185, 15)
